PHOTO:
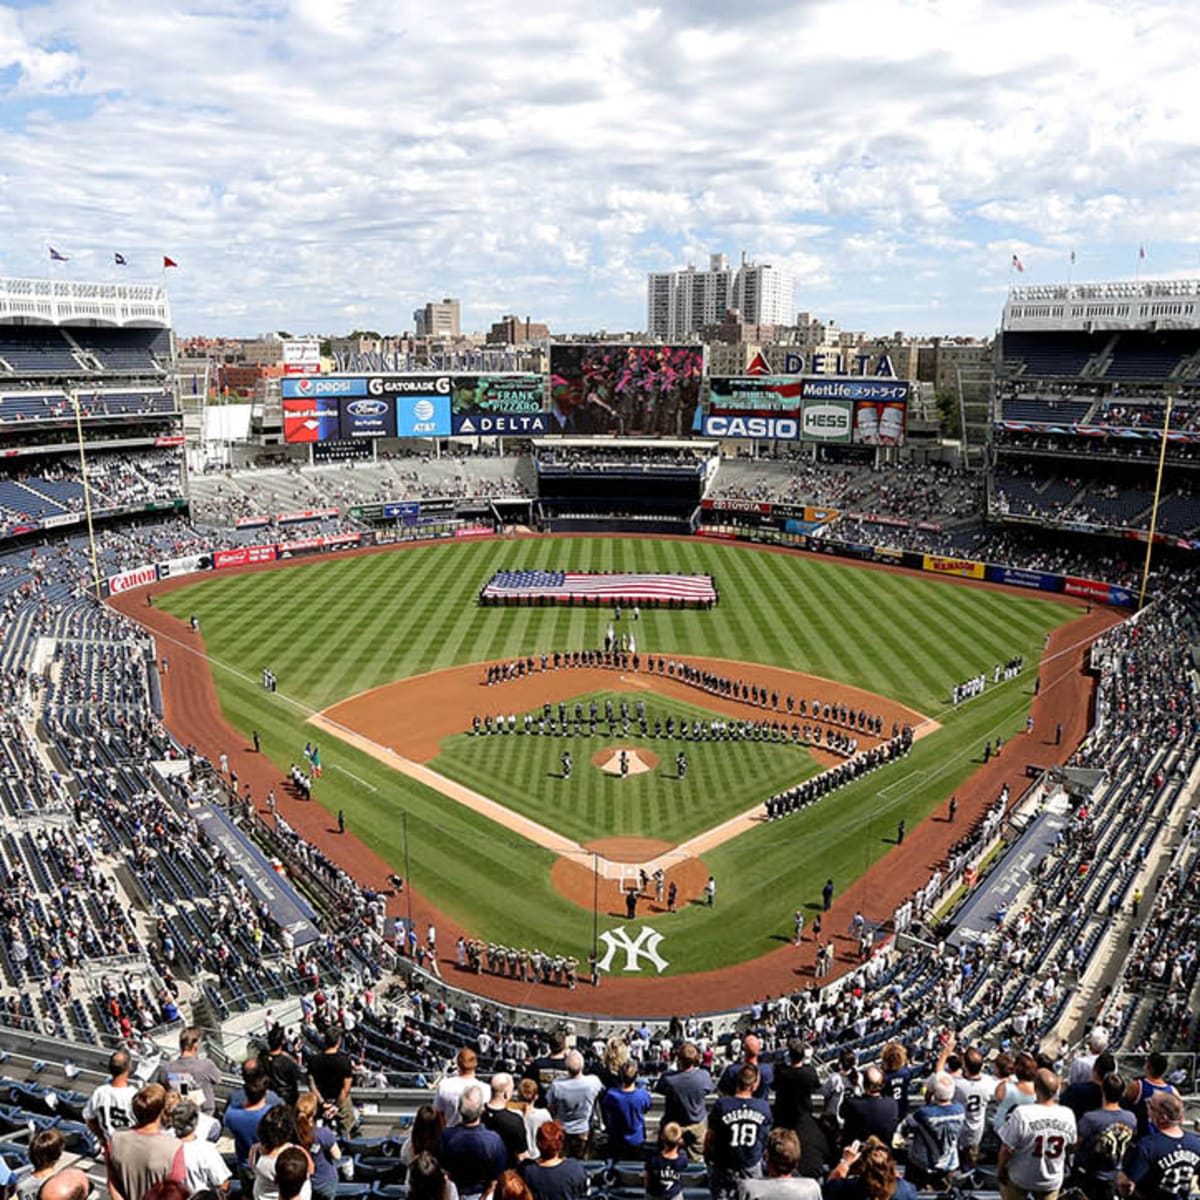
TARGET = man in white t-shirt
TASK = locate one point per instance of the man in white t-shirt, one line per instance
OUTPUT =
(1034, 1143)
(110, 1108)
(973, 1089)
(451, 1088)
(1082, 1064)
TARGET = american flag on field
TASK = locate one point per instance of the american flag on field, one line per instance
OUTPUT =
(564, 585)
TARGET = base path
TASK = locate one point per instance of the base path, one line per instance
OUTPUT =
(193, 714)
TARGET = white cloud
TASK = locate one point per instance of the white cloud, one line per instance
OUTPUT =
(310, 159)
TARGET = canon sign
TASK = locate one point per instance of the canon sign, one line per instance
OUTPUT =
(138, 577)
(405, 385)
(826, 422)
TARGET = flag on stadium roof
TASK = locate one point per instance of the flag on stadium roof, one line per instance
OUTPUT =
(169, 262)
(56, 257)
(1141, 252)
(1018, 264)
(119, 259)
(1072, 258)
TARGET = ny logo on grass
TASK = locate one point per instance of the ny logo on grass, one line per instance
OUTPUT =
(618, 939)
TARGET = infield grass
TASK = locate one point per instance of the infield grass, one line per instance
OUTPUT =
(722, 778)
(334, 628)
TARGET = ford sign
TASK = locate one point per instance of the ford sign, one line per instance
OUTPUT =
(367, 408)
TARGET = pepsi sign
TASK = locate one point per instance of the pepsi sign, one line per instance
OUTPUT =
(310, 386)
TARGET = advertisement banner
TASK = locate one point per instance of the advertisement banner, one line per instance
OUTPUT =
(629, 389)
(742, 506)
(401, 508)
(251, 522)
(757, 395)
(422, 416)
(314, 387)
(61, 519)
(187, 565)
(306, 421)
(502, 424)
(875, 391)
(965, 568)
(309, 514)
(781, 429)
(172, 440)
(1093, 589)
(821, 516)
(301, 356)
(243, 555)
(827, 421)
(879, 424)
(367, 417)
(138, 577)
(1042, 581)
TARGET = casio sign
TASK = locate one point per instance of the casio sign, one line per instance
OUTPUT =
(779, 428)
(367, 408)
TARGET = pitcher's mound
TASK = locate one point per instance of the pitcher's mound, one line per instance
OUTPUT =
(638, 760)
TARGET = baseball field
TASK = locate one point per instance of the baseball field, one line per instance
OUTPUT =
(335, 629)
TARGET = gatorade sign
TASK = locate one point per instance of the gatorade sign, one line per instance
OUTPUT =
(827, 421)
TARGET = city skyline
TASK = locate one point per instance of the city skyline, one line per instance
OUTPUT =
(326, 165)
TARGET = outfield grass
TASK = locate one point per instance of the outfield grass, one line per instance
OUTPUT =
(332, 629)
(722, 779)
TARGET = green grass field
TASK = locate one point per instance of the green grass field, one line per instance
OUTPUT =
(722, 780)
(332, 629)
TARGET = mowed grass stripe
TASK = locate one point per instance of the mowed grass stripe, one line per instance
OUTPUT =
(297, 620)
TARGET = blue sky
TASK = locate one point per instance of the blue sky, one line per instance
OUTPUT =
(317, 165)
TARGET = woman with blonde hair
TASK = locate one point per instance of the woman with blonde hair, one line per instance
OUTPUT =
(321, 1144)
(897, 1075)
(616, 1055)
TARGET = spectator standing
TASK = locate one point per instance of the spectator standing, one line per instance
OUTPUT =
(242, 1122)
(1163, 1164)
(795, 1084)
(1015, 1091)
(320, 1143)
(189, 1071)
(277, 1132)
(933, 1131)
(1034, 1143)
(287, 1076)
(624, 1108)
(1105, 1134)
(572, 1101)
(686, 1091)
(782, 1158)
(1151, 1082)
(751, 1053)
(665, 1166)
(110, 1106)
(867, 1173)
(471, 1155)
(140, 1157)
(546, 1068)
(424, 1134)
(973, 1089)
(45, 1150)
(533, 1114)
(204, 1165)
(552, 1176)
(898, 1074)
(451, 1087)
(737, 1136)
(872, 1114)
(1082, 1064)
(503, 1120)
(332, 1074)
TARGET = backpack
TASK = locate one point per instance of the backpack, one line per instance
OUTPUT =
(1110, 1144)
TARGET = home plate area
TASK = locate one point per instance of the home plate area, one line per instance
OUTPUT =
(637, 760)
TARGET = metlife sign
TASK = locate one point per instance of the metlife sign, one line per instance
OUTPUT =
(875, 390)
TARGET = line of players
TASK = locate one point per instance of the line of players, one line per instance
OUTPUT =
(834, 740)
(529, 966)
(782, 804)
(718, 685)
(977, 684)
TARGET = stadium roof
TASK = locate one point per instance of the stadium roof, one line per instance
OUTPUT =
(68, 302)
(1150, 304)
